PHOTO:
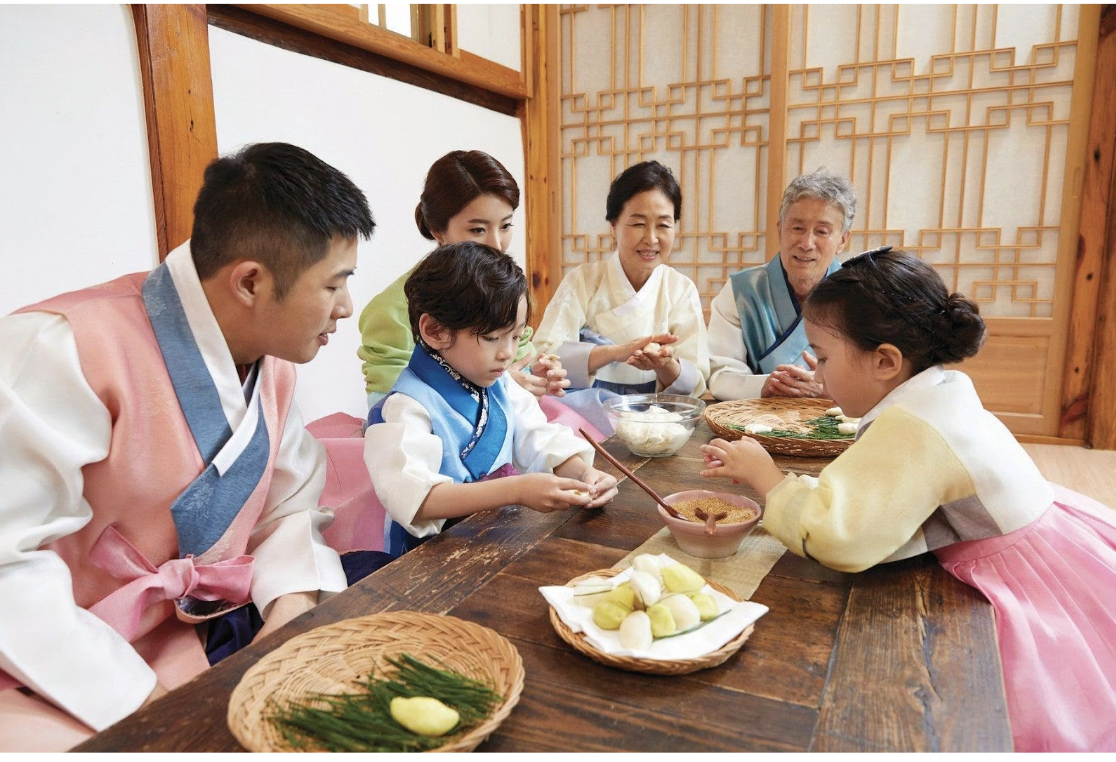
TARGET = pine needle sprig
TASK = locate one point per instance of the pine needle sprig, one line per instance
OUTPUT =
(362, 722)
(824, 427)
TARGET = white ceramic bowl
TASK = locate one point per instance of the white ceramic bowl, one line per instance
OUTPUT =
(654, 425)
(691, 536)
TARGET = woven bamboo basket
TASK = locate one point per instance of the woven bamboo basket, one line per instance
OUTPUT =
(337, 658)
(792, 414)
(650, 666)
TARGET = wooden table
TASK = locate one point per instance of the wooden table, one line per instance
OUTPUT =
(899, 658)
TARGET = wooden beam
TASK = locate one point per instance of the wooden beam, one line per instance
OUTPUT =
(452, 45)
(178, 102)
(343, 27)
(542, 150)
(297, 40)
(777, 124)
(1081, 236)
(1102, 398)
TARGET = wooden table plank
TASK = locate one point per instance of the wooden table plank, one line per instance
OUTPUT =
(940, 687)
(609, 710)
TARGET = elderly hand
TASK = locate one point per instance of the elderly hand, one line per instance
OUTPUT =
(793, 381)
(662, 360)
(284, 609)
(655, 359)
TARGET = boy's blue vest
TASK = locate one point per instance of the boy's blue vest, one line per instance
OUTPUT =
(453, 413)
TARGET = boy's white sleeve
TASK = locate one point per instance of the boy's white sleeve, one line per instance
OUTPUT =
(403, 457)
(541, 446)
(51, 425)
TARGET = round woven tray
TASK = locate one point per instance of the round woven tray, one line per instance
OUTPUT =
(651, 666)
(793, 412)
(337, 658)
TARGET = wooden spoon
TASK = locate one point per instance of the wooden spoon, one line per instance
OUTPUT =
(710, 520)
(624, 470)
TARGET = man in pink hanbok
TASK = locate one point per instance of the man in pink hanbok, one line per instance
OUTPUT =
(160, 494)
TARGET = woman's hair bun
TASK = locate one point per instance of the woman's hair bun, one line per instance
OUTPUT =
(424, 229)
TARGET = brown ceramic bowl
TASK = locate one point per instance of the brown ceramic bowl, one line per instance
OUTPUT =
(691, 536)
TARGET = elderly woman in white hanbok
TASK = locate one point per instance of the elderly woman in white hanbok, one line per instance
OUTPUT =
(630, 323)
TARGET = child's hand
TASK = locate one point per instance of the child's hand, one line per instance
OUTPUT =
(549, 367)
(529, 381)
(547, 492)
(744, 461)
(602, 487)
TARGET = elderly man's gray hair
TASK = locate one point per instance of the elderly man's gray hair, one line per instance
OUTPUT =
(826, 186)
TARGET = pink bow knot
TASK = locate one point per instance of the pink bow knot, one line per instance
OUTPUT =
(179, 577)
(125, 608)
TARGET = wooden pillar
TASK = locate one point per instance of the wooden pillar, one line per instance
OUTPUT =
(1102, 401)
(178, 100)
(777, 124)
(539, 115)
(1089, 380)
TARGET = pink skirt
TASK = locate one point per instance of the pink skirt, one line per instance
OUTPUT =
(358, 515)
(1052, 585)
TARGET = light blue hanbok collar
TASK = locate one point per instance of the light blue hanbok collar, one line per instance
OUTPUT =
(229, 431)
(479, 406)
(770, 315)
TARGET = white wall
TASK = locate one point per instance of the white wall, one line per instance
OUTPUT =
(382, 133)
(75, 182)
(75, 179)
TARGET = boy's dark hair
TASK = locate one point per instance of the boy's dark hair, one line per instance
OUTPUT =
(466, 285)
(645, 176)
(452, 183)
(276, 204)
(890, 297)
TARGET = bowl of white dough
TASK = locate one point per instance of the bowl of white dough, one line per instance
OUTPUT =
(654, 425)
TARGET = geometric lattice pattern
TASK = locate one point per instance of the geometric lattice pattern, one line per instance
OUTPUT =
(951, 121)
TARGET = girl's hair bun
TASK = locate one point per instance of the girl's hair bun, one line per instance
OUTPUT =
(962, 330)
(891, 297)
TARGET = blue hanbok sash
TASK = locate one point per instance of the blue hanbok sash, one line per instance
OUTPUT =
(235, 460)
(770, 316)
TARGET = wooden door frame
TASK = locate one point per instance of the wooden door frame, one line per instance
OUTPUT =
(1089, 381)
(178, 103)
(539, 115)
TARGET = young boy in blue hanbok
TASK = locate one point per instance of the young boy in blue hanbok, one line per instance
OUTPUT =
(455, 435)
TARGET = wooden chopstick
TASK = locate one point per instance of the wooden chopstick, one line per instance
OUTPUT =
(624, 470)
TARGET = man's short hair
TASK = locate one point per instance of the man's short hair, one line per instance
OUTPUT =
(276, 204)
